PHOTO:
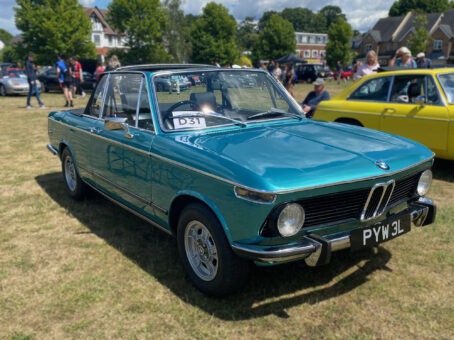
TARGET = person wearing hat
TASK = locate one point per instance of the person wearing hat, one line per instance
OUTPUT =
(422, 61)
(314, 97)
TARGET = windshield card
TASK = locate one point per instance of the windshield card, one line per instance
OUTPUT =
(188, 122)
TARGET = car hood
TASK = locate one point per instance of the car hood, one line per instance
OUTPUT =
(17, 80)
(295, 156)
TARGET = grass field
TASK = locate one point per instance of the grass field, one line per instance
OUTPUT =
(89, 270)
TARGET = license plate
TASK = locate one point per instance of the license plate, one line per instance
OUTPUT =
(380, 232)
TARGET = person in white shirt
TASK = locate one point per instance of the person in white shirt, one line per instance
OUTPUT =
(368, 67)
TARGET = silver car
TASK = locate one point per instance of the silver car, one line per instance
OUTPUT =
(14, 81)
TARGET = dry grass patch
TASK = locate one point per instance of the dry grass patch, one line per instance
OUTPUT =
(89, 270)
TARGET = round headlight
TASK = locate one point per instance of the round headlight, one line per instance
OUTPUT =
(424, 182)
(290, 220)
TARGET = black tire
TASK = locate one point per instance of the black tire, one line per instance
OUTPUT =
(73, 183)
(231, 271)
(2, 91)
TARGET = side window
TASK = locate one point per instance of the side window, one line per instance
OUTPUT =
(145, 120)
(94, 107)
(373, 90)
(433, 98)
(407, 88)
(122, 96)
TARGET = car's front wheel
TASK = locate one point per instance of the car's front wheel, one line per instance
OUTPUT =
(206, 254)
(74, 184)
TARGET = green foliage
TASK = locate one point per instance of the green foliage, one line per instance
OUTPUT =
(177, 33)
(419, 41)
(52, 26)
(247, 34)
(304, 20)
(331, 15)
(213, 36)
(276, 40)
(402, 7)
(265, 18)
(5, 36)
(144, 23)
(338, 47)
(11, 55)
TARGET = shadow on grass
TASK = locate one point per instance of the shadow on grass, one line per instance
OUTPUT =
(156, 253)
(443, 170)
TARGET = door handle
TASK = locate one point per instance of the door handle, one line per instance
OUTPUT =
(95, 130)
(390, 109)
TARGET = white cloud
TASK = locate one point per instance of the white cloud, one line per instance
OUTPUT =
(87, 3)
(7, 16)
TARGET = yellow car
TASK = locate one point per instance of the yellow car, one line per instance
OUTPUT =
(413, 103)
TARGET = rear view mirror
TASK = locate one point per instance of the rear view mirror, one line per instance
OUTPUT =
(420, 100)
(115, 123)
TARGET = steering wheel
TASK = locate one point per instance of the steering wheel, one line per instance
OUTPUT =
(193, 105)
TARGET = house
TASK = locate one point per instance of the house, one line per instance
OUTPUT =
(104, 37)
(390, 33)
(311, 46)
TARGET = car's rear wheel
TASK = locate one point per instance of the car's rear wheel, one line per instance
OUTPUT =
(206, 254)
(74, 185)
(2, 91)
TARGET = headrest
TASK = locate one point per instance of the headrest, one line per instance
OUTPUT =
(204, 99)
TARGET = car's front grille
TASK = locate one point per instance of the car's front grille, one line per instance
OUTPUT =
(349, 205)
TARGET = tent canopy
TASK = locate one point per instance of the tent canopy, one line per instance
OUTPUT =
(291, 58)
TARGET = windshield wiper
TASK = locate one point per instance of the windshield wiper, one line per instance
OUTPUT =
(209, 114)
(275, 112)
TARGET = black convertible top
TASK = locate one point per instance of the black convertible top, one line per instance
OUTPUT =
(162, 67)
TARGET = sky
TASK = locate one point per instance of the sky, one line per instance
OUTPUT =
(361, 14)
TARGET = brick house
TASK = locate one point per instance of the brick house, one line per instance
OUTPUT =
(311, 46)
(104, 37)
(390, 33)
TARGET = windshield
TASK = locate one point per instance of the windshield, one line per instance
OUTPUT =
(14, 74)
(215, 98)
(447, 82)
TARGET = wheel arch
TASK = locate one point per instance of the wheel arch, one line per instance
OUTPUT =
(183, 199)
(350, 121)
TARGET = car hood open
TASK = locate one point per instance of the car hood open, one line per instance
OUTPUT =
(295, 156)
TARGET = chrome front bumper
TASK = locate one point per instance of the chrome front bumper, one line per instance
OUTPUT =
(316, 250)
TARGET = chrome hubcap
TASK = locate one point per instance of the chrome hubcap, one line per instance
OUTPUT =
(201, 250)
(70, 173)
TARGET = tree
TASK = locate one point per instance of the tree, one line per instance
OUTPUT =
(338, 48)
(5, 36)
(300, 18)
(247, 34)
(402, 7)
(144, 23)
(213, 36)
(52, 26)
(420, 39)
(265, 18)
(176, 34)
(331, 15)
(276, 40)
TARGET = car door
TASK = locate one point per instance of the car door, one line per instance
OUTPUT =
(367, 102)
(120, 156)
(417, 111)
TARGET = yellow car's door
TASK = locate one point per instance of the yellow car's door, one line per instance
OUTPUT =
(416, 110)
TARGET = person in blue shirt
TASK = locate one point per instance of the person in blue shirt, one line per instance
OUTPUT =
(314, 97)
(30, 70)
(65, 78)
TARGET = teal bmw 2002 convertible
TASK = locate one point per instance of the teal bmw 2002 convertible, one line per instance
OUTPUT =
(233, 169)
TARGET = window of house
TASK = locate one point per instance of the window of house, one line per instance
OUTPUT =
(438, 44)
(314, 53)
(323, 53)
(97, 39)
(368, 47)
(110, 40)
(307, 54)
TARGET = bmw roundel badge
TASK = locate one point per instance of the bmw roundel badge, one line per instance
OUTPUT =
(382, 165)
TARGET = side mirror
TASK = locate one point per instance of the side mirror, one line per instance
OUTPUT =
(114, 123)
(420, 100)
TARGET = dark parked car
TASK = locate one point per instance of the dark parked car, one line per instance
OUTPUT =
(310, 72)
(49, 81)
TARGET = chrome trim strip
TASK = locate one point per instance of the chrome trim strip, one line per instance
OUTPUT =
(51, 148)
(251, 199)
(126, 191)
(277, 255)
(278, 192)
(155, 224)
(376, 212)
(340, 242)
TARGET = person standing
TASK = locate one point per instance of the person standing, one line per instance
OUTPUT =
(339, 71)
(422, 61)
(64, 77)
(314, 97)
(277, 72)
(78, 77)
(369, 66)
(113, 63)
(288, 78)
(403, 58)
(99, 70)
(31, 71)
